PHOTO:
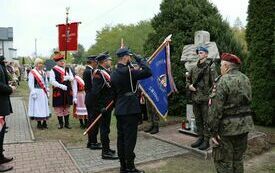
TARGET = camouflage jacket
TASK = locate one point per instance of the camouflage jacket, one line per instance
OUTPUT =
(204, 85)
(229, 105)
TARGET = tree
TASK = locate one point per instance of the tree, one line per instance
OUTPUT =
(183, 18)
(79, 56)
(109, 38)
(261, 58)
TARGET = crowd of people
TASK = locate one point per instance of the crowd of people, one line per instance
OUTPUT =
(90, 90)
(223, 116)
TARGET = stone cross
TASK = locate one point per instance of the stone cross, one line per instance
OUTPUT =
(202, 38)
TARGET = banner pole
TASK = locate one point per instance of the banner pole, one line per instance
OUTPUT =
(66, 37)
(167, 39)
(98, 117)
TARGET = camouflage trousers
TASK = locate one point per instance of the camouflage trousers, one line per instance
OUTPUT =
(228, 155)
(201, 113)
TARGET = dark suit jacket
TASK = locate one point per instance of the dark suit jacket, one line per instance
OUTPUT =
(5, 92)
(87, 78)
(127, 102)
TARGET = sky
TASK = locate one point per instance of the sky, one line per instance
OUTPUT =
(37, 19)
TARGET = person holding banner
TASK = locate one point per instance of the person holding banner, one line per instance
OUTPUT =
(80, 111)
(38, 108)
(61, 78)
(5, 109)
(127, 106)
(202, 77)
(102, 96)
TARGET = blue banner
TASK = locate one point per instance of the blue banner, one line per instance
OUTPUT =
(158, 87)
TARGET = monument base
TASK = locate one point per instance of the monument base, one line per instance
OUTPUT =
(188, 132)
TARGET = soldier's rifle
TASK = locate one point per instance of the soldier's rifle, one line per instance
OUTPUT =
(200, 76)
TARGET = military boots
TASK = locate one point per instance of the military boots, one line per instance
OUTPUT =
(130, 168)
(198, 142)
(205, 145)
(155, 129)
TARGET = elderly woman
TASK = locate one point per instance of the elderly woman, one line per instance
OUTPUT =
(80, 111)
(38, 99)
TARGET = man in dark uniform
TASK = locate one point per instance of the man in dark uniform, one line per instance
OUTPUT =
(127, 108)
(87, 77)
(102, 96)
(5, 109)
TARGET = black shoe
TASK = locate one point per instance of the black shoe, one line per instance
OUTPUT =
(155, 130)
(44, 125)
(68, 126)
(197, 143)
(4, 168)
(60, 121)
(122, 170)
(112, 151)
(5, 159)
(39, 125)
(148, 130)
(135, 170)
(205, 145)
(95, 146)
(109, 156)
(122, 166)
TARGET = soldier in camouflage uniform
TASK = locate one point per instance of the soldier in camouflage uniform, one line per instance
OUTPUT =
(199, 82)
(230, 117)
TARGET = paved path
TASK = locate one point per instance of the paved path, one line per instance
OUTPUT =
(171, 135)
(19, 130)
(147, 149)
(40, 157)
(30, 156)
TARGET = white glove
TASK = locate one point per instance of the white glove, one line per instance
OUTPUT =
(63, 87)
(34, 95)
(75, 100)
(192, 88)
(68, 78)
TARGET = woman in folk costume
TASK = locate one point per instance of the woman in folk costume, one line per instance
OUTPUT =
(80, 111)
(61, 78)
(38, 100)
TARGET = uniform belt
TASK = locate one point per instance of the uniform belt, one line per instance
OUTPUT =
(129, 94)
(239, 110)
(242, 115)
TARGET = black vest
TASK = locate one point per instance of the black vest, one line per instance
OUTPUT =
(60, 97)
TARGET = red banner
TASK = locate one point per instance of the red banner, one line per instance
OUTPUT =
(72, 34)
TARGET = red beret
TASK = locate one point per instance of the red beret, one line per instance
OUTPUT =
(231, 58)
(58, 57)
